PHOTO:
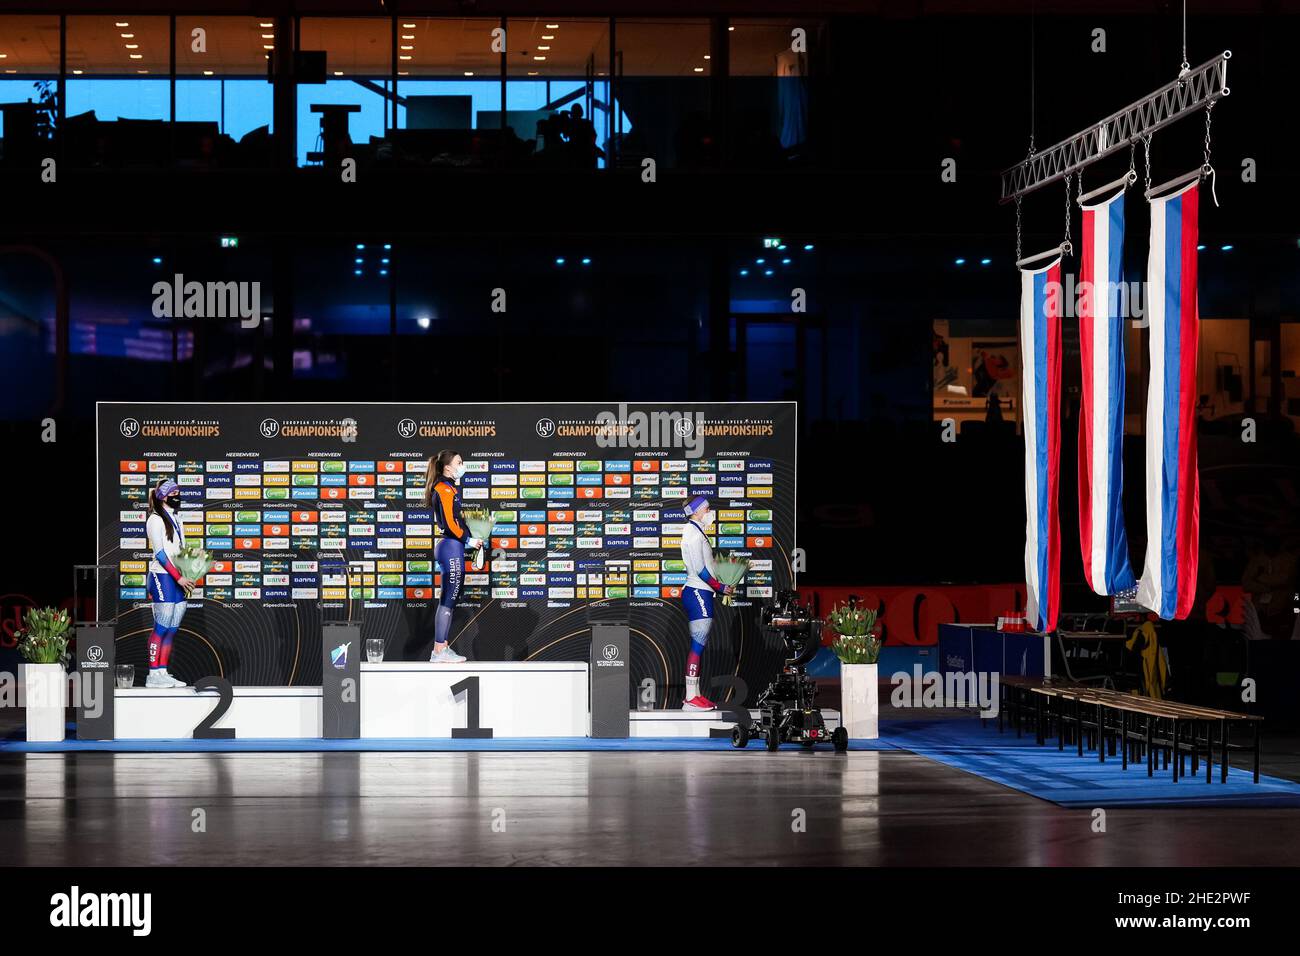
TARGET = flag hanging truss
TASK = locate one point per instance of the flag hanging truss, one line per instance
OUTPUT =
(1194, 89)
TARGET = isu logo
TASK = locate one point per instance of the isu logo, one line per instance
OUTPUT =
(269, 428)
(95, 654)
(545, 427)
(406, 428)
(129, 428)
(683, 426)
(610, 651)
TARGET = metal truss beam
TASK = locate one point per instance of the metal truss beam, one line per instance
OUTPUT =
(1198, 87)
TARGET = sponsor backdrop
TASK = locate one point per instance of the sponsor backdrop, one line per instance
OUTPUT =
(314, 513)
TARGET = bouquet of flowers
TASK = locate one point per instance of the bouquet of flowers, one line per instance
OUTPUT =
(729, 570)
(855, 626)
(193, 562)
(43, 639)
(480, 526)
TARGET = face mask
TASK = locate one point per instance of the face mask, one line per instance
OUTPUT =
(458, 472)
(174, 504)
(707, 519)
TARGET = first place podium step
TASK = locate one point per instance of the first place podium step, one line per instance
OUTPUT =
(476, 698)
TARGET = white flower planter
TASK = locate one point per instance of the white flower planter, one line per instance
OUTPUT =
(860, 701)
(45, 693)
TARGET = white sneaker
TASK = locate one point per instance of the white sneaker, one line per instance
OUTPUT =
(158, 677)
(446, 656)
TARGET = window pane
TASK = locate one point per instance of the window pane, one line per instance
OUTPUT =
(29, 59)
(769, 91)
(223, 100)
(448, 77)
(557, 94)
(341, 329)
(119, 94)
(663, 92)
(358, 64)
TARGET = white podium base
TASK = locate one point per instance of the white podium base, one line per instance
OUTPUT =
(407, 699)
(45, 692)
(146, 713)
(515, 699)
(695, 723)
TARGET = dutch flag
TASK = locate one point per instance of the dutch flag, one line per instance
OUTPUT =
(1168, 583)
(1040, 350)
(1101, 407)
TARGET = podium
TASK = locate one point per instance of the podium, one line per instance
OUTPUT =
(476, 699)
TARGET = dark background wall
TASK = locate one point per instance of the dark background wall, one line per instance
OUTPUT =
(662, 311)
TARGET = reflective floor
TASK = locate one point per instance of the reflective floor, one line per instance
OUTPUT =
(733, 808)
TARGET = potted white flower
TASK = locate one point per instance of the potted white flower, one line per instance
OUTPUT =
(858, 649)
(43, 643)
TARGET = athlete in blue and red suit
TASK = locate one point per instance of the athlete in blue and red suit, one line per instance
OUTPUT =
(443, 496)
(697, 594)
(167, 587)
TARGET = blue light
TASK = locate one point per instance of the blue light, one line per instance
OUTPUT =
(586, 260)
(383, 272)
(1200, 248)
(985, 262)
(785, 262)
(360, 246)
(808, 248)
(387, 246)
(781, 247)
(759, 262)
(356, 272)
(960, 262)
(1227, 248)
(559, 261)
(157, 260)
(744, 272)
(359, 261)
(767, 272)
(384, 261)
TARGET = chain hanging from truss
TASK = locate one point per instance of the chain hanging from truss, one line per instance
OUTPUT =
(1017, 228)
(1207, 169)
(1067, 247)
(1185, 67)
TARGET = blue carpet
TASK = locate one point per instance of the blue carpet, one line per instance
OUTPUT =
(1066, 779)
(310, 745)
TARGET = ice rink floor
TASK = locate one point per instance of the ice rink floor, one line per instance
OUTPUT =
(746, 808)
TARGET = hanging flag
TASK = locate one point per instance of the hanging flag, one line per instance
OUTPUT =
(1168, 583)
(1101, 407)
(1040, 352)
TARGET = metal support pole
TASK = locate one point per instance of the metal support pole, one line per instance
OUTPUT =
(1223, 751)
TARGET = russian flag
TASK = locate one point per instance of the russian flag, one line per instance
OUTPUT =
(1168, 584)
(1101, 407)
(1040, 351)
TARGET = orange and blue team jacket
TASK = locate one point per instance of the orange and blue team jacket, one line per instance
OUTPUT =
(446, 511)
